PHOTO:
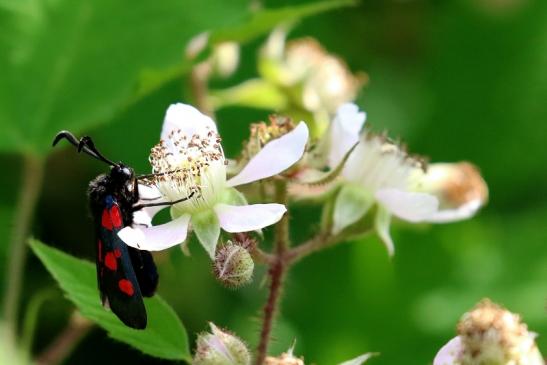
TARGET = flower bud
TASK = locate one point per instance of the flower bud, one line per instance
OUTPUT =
(233, 265)
(225, 58)
(220, 348)
(490, 334)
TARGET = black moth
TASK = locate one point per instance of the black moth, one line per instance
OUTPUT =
(124, 274)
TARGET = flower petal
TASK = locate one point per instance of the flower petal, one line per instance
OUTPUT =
(186, 118)
(449, 353)
(381, 223)
(276, 156)
(149, 192)
(359, 359)
(410, 206)
(464, 211)
(352, 202)
(207, 230)
(345, 129)
(156, 238)
(247, 218)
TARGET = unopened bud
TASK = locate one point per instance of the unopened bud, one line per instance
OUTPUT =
(233, 265)
(490, 334)
(220, 348)
(225, 58)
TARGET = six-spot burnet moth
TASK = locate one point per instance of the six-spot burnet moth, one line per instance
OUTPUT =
(124, 274)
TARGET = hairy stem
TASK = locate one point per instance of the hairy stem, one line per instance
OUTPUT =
(33, 172)
(277, 272)
(66, 341)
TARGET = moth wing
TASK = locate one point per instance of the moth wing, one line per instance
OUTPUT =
(117, 279)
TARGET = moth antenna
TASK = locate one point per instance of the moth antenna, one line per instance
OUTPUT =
(84, 144)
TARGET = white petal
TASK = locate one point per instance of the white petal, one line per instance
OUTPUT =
(247, 218)
(156, 238)
(149, 192)
(410, 206)
(359, 359)
(464, 211)
(352, 202)
(449, 353)
(207, 229)
(382, 221)
(276, 156)
(344, 134)
(186, 118)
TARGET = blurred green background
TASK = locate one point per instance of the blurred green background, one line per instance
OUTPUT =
(457, 80)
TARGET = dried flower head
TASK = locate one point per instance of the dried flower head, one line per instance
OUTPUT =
(490, 335)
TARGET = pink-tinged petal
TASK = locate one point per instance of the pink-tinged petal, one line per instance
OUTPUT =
(462, 212)
(156, 238)
(410, 206)
(187, 119)
(381, 223)
(245, 218)
(449, 353)
(345, 129)
(276, 156)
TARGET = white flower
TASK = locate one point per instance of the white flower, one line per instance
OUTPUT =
(190, 163)
(490, 334)
(380, 172)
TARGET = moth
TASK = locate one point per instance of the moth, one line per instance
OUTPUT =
(124, 274)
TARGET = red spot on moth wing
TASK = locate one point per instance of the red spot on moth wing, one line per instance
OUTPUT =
(100, 250)
(116, 216)
(106, 220)
(117, 253)
(110, 261)
(126, 287)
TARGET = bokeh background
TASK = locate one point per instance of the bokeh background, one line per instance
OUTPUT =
(456, 80)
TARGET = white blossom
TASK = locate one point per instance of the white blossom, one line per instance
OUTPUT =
(189, 163)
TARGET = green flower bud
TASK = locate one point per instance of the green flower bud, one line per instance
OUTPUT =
(233, 265)
(220, 348)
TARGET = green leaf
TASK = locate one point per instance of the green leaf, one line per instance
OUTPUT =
(72, 64)
(265, 20)
(164, 337)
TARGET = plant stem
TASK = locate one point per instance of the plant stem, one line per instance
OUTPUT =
(65, 342)
(318, 243)
(33, 172)
(199, 78)
(277, 272)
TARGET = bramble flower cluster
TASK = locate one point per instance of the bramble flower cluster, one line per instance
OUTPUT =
(360, 179)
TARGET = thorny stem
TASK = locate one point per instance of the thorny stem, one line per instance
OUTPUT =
(33, 172)
(67, 340)
(277, 271)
